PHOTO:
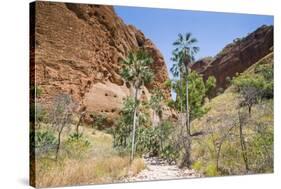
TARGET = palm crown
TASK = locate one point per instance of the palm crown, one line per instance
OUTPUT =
(185, 49)
(137, 69)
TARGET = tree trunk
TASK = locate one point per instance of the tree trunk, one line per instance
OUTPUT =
(58, 145)
(186, 162)
(181, 96)
(187, 142)
(242, 143)
(134, 126)
(218, 156)
(66, 117)
(181, 99)
(79, 122)
(187, 108)
(250, 110)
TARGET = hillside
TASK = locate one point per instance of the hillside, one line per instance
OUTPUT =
(221, 126)
(236, 57)
(101, 109)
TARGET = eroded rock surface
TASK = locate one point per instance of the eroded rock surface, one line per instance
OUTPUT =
(237, 56)
(78, 49)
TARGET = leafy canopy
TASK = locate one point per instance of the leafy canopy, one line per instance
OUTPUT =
(137, 68)
(198, 90)
(185, 49)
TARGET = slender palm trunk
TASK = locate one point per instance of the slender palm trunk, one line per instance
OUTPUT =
(187, 108)
(134, 126)
(187, 143)
(181, 100)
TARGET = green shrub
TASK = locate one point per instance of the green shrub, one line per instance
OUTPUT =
(170, 153)
(261, 80)
(40, 113)
(197, 165)
(148, 140)
(154, 140)
(45, 141)
(211, 170)
(122, 131)
(99, 121)
(77, 146)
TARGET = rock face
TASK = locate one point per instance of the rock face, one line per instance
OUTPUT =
(78, 49)
(237, 56)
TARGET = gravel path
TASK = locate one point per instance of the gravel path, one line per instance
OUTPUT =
(158, 169)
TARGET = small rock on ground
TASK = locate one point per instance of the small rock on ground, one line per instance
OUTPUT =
(159, 169)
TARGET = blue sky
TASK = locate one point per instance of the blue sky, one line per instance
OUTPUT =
(213, 30)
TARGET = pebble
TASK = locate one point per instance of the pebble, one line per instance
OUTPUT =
(160, 169)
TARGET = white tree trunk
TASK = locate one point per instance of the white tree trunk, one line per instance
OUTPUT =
(134, 126)
(181, 99)
(187, 108)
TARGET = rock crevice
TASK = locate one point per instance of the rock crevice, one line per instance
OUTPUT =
(78, 51)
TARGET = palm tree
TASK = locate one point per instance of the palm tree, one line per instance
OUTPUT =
(177, 70)
(137, 71)
(185, 51)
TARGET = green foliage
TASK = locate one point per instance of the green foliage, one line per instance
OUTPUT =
(77, 145)
(171, 103)
(198, 90)
(266, 70)
(210, 84)
(123, 128)
(41, 114)
(247, 80)
(185, 50)
(99, 120)
(261, 80)
(170, 153)
(45, 141)
(197, 165)
(137, 68)
(37, 90)
(155, 101)
(148, 140)
(260, 149)
(211, 170)
(156, 141)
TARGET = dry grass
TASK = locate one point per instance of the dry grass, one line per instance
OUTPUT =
(102, 165)
(89, 171)
(222, 115)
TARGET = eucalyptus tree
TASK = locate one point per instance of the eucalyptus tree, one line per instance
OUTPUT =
(137, 71)
(61, 116)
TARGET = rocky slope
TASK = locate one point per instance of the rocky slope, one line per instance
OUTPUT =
(78, 49)
(237, 56)
(222, 115)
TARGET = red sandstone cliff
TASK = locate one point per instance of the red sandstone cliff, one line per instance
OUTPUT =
(78, 49)
(237, 56)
